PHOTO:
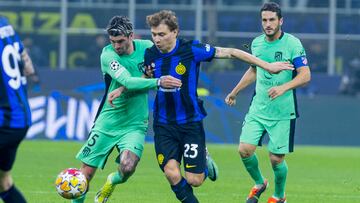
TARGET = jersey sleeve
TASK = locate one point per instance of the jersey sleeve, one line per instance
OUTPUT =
(118, 72)
(298, 55)
(202, 52)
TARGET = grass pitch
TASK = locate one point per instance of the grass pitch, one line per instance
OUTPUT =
(316, 174)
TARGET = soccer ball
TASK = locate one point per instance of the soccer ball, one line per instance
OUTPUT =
(71, 183)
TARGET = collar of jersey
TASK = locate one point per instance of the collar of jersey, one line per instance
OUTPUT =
(172, 51)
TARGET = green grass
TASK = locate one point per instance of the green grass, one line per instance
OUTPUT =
(316, 174)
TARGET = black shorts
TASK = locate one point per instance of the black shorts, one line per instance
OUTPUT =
(10, 139)
(187, 141)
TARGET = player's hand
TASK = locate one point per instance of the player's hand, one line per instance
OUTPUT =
(169, 81)
(276, 92)
(115, 94)
(230, 99)
(276, 67)
(149, 71)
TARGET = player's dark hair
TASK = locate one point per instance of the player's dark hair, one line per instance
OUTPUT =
(119, 25)
(166, 17)
(272, 6)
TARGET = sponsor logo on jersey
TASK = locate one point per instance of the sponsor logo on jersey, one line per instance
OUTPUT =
(180, 69)
(160, 158)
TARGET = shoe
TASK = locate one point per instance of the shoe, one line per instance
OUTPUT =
(213, 171)
(276, 200)
(255, 193)
(103, 195)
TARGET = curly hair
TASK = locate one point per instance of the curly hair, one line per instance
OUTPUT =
(166, 17)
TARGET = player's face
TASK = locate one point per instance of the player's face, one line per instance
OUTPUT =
(271, 24)
(164, 39)
(121, 44)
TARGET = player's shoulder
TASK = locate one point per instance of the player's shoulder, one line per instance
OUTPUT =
(143, 43)
(108, 50)
(258, 41)
(291, 38)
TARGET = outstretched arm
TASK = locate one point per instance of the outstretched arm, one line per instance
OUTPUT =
(248, 58)
(248, 78)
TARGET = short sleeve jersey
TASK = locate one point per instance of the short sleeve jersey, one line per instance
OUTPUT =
(180, 105)
(286, 48)
(14, 107)
(131, 108)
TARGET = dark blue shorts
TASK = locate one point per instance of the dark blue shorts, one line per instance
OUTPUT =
(185, 141)
(10, 139)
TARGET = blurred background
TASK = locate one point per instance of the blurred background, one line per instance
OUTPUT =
(65, 39)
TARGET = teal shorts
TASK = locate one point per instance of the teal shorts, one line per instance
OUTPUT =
(99, 146)
(281, 133)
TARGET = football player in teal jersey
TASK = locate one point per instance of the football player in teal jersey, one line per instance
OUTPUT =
(122, 126)
(273, 109)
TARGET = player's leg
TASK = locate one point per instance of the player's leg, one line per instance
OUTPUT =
(89, 173)
(130, 146)
(93, 155)
(281, 142)
(9, 143)
(194, 153)
(169, 153)
(252, 133)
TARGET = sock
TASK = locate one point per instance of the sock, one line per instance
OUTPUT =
(280, 172)
(116, 178)
(12, 195)
(206, 173)
(184, 192)
(252, 166)
(79, 200)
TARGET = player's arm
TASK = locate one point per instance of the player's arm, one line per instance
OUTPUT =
(302, 78)
(137, 83)
(28, 65)
(221, 52)
(248, 78)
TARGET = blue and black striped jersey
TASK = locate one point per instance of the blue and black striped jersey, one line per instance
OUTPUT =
(14, 106)
(180, 105)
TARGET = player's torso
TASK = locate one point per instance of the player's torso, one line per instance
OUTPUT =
(131, 108)
(178, 105)
(282, 107)
(14, 108)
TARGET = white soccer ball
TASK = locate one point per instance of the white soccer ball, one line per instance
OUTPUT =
(71, 183)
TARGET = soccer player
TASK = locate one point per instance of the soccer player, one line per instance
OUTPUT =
(15, 116)
(124, 126)
(178, 112)
(273, 108)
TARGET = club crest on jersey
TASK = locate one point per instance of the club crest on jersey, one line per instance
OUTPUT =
(160, 158)
(114, 65)
(278, 56)
(180, 69)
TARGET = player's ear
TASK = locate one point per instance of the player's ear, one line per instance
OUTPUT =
(281, 21)
(131, 36)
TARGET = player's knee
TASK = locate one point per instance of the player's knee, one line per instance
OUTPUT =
(127, 169)
(245, 151)
(172, 173)
(195, 181)
(5, 182)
